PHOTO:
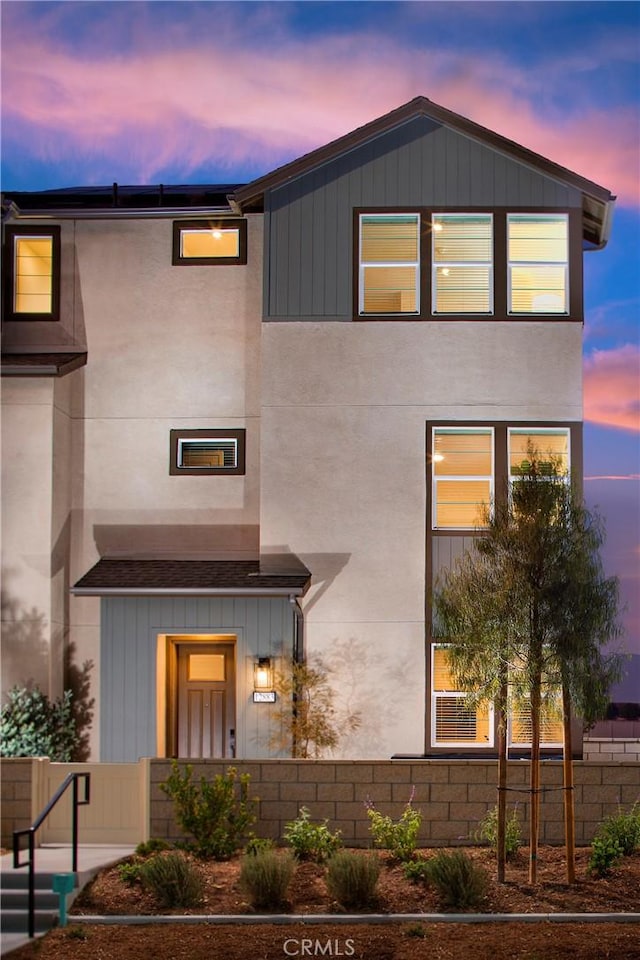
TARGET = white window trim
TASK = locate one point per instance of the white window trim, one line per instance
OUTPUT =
(538, 263)
(441, 694)
(363, 264)
(440, 264)
(481, 477)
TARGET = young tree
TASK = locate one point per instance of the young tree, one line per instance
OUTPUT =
(528, 611)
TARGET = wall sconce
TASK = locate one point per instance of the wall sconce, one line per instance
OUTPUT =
(263, 691)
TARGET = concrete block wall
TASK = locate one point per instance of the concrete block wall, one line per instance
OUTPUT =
(606, 748)
(15, 795)
(452, 796)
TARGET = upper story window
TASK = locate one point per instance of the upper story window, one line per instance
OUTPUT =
(462, 471)
(202, 242)
(462, 263)
(32, 278)
(550, 447)
(207, 452)
(538, 263)
(389, 265)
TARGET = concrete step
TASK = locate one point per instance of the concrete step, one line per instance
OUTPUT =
(14, 897)
(16, 921)
(19, 879)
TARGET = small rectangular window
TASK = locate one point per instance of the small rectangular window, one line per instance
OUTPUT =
(206, 242)
(389, 269)
(462, 263)
(454, 722)
(462, 470)
(206, 452)
(32, 280)
(538, 263)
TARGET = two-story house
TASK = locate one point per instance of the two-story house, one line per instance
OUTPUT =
(245, 422)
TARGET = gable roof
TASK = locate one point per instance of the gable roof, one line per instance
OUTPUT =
(597, 200)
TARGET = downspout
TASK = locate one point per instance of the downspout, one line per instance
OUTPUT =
(298, 657)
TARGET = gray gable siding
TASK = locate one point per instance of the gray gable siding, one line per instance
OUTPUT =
(308, 222)
(130, 628)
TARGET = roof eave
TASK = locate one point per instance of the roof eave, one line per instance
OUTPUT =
(189, 591)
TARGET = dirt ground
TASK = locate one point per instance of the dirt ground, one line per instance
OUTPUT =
(409, 940)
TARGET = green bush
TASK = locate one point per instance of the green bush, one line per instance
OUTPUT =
(154, 845)
(400, 836)
(259, 845)
(618, 836)
(309, 840)
(130, 872)
(487, 832)
(352, 878)
(417, 871)
(460, 882)
(217, 813)
(172, 879)
(265, 876)
(31, 725)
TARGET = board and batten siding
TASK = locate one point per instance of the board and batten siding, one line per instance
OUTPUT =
(263, 626)
(308, 222)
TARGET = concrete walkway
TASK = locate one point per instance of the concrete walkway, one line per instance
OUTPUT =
(56, 858)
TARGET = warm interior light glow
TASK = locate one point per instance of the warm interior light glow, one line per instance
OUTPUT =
(217, 234)
(262, 674)
(436, 226)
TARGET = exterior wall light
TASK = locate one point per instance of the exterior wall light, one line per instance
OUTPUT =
(263, 691)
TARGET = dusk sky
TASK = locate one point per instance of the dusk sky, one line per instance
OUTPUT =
(190, 92)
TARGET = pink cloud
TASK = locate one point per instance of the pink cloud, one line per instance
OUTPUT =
(612, 387)
(234, 103)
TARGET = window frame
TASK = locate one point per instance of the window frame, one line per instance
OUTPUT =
(456, 264)
(363, 265)
(435, 480)
(436, 695)
(217, 223)
(12, 234)
(540, 264)
(550, 431)
(177, 436)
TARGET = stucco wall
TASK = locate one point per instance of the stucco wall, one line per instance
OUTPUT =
(343, 481)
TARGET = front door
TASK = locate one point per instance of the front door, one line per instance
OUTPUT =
(206, 705)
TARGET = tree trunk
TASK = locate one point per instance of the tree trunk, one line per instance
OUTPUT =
(534, 812)
(567, 765)
(501, 838)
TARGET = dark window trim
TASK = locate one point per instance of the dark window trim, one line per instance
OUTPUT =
(238, 223)
(239, 435)
(500, 266)
(500, 428)
(11, 232)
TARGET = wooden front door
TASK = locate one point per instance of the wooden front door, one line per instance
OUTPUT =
(206, 700)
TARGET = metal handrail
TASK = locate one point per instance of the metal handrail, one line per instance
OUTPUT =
(72, 778)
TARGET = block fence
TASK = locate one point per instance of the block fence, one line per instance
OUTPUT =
(453, 796)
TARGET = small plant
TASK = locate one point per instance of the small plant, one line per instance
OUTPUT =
(352, 878)
(258, 845)
(154, 845)
(75, 933)
(309, 840)
(173, 879)
(417, 931)
(460, 882)
(618, 836)
(399, 836)
(416, 871)
(487, 832)
(217, 813)
(130, 872)
(265, 876)
(31, 725)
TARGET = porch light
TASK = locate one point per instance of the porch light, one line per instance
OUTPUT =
(263, 691)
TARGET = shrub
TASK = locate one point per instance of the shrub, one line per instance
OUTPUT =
(352, 878)
(154, 845)
(130, 872)
(173, 880)
(259, 845)
(400, 836)
(460, 882)
(417, 871)
(31, 725)
(265, 876)
(309, 840)
(618, 836)
(217, 813)
(487, 832)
